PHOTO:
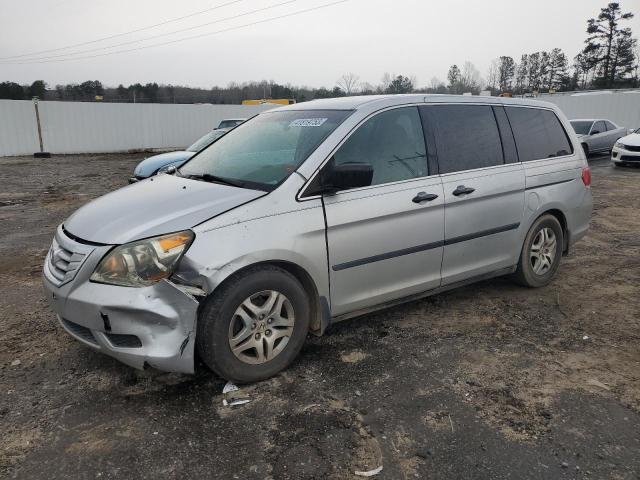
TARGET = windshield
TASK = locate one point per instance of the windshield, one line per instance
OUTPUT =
(581, 127)
(264, 151)
(205, 141)
(229, 123)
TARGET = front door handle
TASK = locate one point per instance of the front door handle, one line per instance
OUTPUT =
(462, 190)
(424, 197)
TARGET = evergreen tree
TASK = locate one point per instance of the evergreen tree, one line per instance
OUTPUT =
(506, 70)
(609, 47)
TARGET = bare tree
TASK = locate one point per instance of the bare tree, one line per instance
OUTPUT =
(470, 78)
(349, 83)
(492, 76)
(366, 88)
(434, 83)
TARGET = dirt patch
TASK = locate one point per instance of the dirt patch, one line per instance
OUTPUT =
(353, 357)
(488, 381)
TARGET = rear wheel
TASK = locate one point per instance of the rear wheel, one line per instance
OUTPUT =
(541, 252)
(255, 325)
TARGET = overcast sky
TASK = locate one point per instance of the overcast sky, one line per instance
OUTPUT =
(420, 38)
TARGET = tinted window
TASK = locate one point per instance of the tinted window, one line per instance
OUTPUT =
(598, 128)
(610, 126)
(392, 142)
(538, 133)
(581, 127)
(466, 136)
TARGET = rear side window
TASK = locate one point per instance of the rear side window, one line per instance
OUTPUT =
(538, 133)
(466, 136)
(610, 126)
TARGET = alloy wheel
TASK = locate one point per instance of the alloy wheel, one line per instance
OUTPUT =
(543, 251)
(261, 327)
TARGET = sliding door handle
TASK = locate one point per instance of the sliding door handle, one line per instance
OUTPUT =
(462, 190)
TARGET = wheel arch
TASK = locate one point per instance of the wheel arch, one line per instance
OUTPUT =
(319, 306)
(585, 148)
(562, 218)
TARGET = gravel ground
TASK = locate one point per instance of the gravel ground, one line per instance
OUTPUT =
(488, 381)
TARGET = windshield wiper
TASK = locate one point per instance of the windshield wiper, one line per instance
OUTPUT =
(207, 177)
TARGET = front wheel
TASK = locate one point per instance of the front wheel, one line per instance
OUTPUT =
(541, 252)
(254, 326)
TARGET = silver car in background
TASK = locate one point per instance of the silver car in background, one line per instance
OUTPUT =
(597, 135)
(314, 213)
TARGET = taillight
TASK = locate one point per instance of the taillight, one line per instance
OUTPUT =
(586, 176)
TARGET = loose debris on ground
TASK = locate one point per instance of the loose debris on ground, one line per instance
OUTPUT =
(489, 381)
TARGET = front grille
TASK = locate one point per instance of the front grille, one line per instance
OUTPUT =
(632, 148)
(79, 331)
(628, 158)
(124, 341)
(65, 258)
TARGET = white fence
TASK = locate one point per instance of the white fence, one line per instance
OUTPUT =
(76, 127)
(622, 107)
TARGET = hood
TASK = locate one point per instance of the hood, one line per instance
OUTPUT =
(150, 165)
(155, 206)
(632, 140)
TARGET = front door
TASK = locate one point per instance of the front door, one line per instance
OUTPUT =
(599, 136)
(385, 240)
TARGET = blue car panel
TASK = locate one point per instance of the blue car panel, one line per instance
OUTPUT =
(150, 166)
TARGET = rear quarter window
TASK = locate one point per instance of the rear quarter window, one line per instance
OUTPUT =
(538, 133)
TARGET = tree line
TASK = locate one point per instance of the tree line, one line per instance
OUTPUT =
(609, 59)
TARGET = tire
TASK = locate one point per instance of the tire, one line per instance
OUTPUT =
(225, 320)
(530, 273)
(585, 148)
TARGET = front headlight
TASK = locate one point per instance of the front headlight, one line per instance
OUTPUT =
(620, 145)
(143, 263)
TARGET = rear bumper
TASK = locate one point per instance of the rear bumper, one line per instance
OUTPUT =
(619, 155)
(579, 217)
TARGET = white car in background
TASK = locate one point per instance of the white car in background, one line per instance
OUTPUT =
(626, 151)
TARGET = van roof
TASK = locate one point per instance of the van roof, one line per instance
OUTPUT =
(356, 102)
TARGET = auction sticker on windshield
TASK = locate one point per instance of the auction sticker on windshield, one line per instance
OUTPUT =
(308, 122)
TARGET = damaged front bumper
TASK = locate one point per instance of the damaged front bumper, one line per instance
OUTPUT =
(153, 325)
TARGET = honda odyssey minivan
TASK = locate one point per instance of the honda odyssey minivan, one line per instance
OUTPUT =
(313, 213)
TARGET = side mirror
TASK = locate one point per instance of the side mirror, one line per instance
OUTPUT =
(346, 176)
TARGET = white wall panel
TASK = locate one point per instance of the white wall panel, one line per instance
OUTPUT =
(622, 107)
(79, 127)
(18, 133)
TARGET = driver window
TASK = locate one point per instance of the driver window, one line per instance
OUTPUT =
(598, 127)
(392, 142)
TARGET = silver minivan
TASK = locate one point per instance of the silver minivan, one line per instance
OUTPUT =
(313, 213)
